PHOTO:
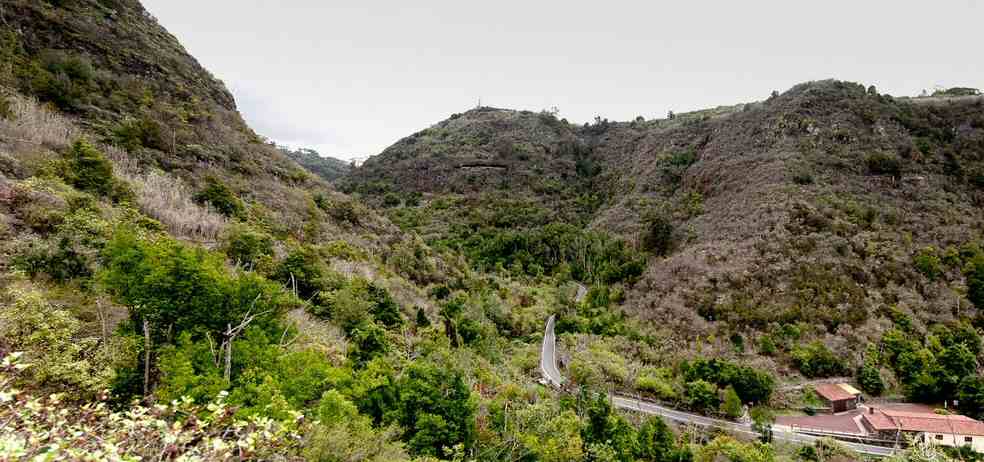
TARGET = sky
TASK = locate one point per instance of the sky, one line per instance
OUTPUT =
(349, 78)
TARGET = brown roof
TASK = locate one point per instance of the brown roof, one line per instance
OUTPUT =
(888, 420)
(833, 392)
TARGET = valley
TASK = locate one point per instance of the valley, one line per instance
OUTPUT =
(503, 285)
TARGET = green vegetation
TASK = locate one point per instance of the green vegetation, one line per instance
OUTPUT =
(588, 256)
(749, 384)
(310, 326)
(816, 360)
(217, 195)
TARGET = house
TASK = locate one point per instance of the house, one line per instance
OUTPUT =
(840, 397)
(945, 430)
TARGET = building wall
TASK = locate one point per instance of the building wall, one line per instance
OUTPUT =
(949, 439)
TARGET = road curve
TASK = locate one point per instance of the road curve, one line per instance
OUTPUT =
(548, 357)
(551, 376)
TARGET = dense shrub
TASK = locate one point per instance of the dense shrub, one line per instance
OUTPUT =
(177, 288)
(435, 408)
(883, 163)
(70, 253)
(303, 270)
(975, 281)
(870, 380)
(64, 359)
(658, 235)
(751, 385)
(928, 263)
(343, 210)
(135, 133)
(816, 360)
(6, 109)
(702, 395)
(220, 197)
(592, 257)
(89, 170)
(53, 428)
(67, 81)
(246, 245)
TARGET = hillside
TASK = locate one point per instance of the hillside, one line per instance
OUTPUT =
(802, 228)
(173, 287)
(328, 168)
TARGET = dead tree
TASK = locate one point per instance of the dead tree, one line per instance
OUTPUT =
(230, 335)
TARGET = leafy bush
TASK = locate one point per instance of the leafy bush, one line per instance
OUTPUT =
(70, 253)
(816, 360)
(658, 235)
(135, 133)
(63, 357)
(177, 287)
(751, 385)
(701, 395)
(304, 270)
(343, 210)
(928, 263)
(436, 408)
(592, 257)
(883, 163)
(870, 380)
(658, 382)
(731, 404)
(220, 197)
(49, 428)
(391, 200)
(975, 281)
(89, 170)
(246, 245)
(68, 81)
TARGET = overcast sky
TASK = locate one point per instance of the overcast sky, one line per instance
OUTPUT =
(349, 78)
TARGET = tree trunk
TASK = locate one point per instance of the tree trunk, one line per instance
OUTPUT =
(146, 329)
(228, 358)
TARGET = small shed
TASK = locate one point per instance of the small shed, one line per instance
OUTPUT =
(841, 397)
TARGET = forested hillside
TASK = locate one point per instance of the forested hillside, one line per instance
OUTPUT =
(173, 287)
(328, 168)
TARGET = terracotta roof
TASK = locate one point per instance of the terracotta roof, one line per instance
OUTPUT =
(888, 420)
(833, 392)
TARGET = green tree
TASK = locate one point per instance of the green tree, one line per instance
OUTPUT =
(220, 197)
(246, 245)
(176, 287)
(304, 269)
(368, 342)
(955, 362)
(89, 169)
(422, 319)
(658, 235)
(731, 405)
(656, 441)
(975, 281)
(870, 380)
(970, 394)
(435, 408)
(816, 360)
(701, 395)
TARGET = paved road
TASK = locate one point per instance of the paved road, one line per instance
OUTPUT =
(552, 376)
(548, 357)
(581, 292)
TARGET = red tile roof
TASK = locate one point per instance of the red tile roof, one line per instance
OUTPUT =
(888, 420)
(833, 392)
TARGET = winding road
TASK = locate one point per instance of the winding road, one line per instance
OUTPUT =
(552, 377)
